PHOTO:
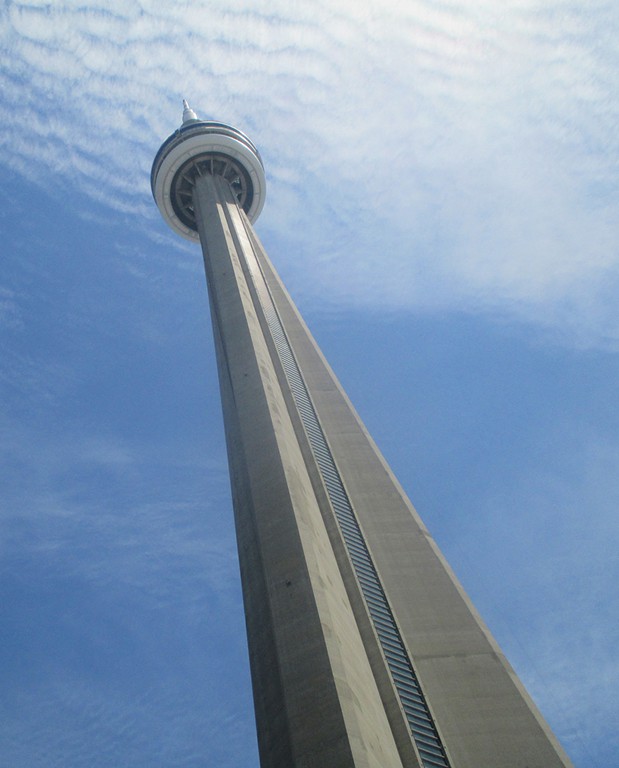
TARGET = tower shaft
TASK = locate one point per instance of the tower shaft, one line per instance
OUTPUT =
(364, 649)
(316, 701)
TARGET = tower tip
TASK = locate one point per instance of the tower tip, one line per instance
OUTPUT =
(188, 113)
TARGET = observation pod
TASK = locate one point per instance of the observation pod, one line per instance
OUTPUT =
(202, 147)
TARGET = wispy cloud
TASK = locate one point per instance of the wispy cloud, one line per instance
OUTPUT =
(111, 573)
(420, 156)
(461, 155)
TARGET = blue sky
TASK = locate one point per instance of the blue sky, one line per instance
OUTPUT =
(443, 205)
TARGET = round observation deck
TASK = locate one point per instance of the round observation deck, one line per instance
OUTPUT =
(199, 147)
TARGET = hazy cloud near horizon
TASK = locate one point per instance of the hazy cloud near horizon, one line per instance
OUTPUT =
(469, 150)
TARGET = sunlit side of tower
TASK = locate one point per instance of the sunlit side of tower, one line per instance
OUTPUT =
(364, 649)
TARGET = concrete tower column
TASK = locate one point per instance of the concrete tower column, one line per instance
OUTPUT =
(317, 703)
(364, 649)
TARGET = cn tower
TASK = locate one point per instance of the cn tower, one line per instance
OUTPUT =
(365, 651)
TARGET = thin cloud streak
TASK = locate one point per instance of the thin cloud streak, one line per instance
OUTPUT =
(483, 147)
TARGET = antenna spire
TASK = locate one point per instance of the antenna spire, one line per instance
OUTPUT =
(188, 113)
